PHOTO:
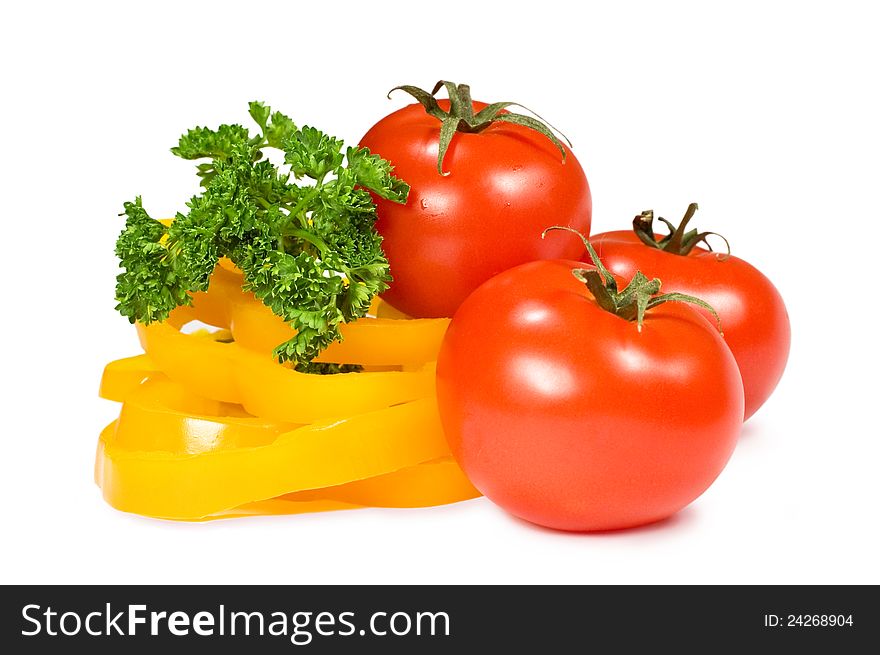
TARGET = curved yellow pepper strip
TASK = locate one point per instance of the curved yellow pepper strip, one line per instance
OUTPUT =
(438, 482)
(214, 305)
(367, 341)
(384, 310)
(273, 391)
(383, 341)
(198, 361)
(227, 372)
(276, 507)
(169, 484)
(161, 415)
(123, 376)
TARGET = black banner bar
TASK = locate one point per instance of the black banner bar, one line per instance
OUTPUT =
(435, 619)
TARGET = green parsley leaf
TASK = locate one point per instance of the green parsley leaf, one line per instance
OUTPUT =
(279, 130)
(312, 153)
(201, 142)
(374, 173)
(150, 287)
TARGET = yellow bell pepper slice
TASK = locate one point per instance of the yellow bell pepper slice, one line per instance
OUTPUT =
(214, 305)
(161, 415)
(367, 341)
(122, 376)
(273, 391)
(428, 484)
(438, 482)
(391, 339)
(229, 373)
(198, 361)
(276, 507)
(145, 462)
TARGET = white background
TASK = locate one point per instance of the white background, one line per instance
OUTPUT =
(765, 113)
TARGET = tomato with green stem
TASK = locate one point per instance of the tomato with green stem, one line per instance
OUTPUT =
(756, 324)
(484, 184)
(578, 406)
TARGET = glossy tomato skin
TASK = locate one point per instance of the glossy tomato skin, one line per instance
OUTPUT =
(504, 186)
(567, 416)
(753, 315)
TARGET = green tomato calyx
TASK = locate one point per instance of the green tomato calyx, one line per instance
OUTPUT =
(680, 240)
(636, 298)
(461, 116)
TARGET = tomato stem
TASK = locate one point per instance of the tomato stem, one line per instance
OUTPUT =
(461, 117)
(636, 298)
(680, 240)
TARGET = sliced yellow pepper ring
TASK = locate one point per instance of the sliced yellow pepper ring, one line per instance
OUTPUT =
(177, 484)
(438, 482)
(270, 390)
(123, 376)
(198, 361)
(386, 340)
(161, 415)
(214, 305)
(430, 483)
(229, 373)
(367, 341)
(275, 507)
(384, 310)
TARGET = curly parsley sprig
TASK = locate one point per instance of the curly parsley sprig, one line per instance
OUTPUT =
(309, 251)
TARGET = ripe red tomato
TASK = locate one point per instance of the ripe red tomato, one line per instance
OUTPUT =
(568, 416)
(753, 315)
(504, 185)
